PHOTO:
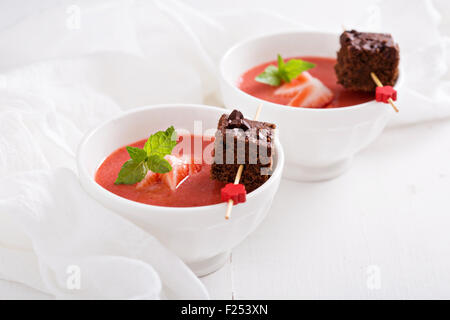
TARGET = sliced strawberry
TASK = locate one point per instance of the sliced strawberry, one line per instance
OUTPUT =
(315, 95)
(292, 88)
(194, 168)
(149, 179)
(306, 91)
(182, 168)
(179, 172)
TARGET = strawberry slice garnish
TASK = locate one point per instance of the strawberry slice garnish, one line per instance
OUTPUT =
(182, 169)
(306, 91)
(290, 89)
(150, 179)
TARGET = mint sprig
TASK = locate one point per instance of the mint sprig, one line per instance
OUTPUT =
(284, 72)
(151, 157)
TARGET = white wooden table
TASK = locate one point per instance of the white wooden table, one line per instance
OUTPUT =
(382, 230)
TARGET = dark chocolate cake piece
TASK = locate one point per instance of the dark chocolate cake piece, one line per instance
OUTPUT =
(242, 141)
(362, 53)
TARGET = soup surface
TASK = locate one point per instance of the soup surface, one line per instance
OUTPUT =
(324, 71)
(196, 190)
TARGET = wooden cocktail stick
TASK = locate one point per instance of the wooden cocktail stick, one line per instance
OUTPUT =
(239, 172)
(379, 84)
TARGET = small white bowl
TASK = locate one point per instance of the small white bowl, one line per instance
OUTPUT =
(319, 143)
(200, 236)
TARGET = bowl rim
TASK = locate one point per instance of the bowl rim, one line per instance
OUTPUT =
(229, 52)
(108, 195)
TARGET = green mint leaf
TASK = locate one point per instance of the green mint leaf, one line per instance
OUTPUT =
(132, 172)
(285, 72)
(269, 76)
(150, 157)
(158, 164)
(282, 72)
(294, 67)
(161, 143)
(280, 61)
(137, 154)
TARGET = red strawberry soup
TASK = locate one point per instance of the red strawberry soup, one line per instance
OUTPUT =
(188, 184)
(315, 88)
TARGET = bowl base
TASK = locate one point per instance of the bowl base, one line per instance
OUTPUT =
(204, 267)
(311, 174)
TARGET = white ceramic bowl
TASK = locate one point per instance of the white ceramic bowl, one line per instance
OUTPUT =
(319, 143)
(200, 236)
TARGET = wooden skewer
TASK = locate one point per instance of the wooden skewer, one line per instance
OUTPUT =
(239, 172)
(379, 84)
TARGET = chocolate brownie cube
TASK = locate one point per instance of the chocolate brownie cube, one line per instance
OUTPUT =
(362, 53)
(242, 141)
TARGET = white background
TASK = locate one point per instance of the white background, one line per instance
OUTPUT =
(382, 230)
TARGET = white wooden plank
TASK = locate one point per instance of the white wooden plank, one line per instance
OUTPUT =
(390, 214)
